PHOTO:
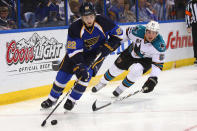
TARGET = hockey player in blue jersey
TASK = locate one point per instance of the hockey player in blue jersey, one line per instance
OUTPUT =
(147, 51)
(88, 36)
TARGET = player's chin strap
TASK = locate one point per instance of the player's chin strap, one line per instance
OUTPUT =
(95, 108)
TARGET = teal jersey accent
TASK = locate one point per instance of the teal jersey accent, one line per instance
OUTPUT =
(159, 43)
(139, 31)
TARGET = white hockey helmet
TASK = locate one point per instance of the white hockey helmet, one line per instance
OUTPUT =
(153, 26)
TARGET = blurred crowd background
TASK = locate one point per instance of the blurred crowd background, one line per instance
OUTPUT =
(20, 14)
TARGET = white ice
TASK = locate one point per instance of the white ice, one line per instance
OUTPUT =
(172, 106)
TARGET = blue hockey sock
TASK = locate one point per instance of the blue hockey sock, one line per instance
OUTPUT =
(78, 91)
(62, 79)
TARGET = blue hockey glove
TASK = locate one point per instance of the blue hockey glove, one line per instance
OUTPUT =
(149, 84)
(109, 46)
(106, 49)
(56, 65)
(81, 72)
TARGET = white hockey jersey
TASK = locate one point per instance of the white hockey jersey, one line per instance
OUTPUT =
(143, 49)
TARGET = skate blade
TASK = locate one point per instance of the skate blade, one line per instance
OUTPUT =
(66, 111)
(114, 97)
(46, 109)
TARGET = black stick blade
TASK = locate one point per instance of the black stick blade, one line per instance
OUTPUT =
(43, 123)
(94, 106)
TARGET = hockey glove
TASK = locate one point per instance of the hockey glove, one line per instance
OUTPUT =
(106, 49)
(81, 72)
(56, 65)
(149, 84)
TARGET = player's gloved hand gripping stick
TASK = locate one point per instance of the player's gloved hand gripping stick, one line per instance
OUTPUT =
(45, 120)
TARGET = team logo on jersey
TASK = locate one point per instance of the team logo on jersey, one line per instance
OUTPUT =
(90, 42)
(162, 46)
(138, 41)
(119, 60)
(161, 57)
(87, 8)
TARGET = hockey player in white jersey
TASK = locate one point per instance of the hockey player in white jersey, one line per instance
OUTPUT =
(146, 51)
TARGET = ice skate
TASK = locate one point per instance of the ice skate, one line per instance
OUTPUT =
(98, 87)
(69, 104)
(117, 92)
(47, 104)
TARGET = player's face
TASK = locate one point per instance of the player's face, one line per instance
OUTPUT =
(89, 20)
(150, 35)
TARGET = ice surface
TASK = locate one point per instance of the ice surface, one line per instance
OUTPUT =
(172, 106)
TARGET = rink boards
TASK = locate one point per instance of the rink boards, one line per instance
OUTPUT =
(28, 58)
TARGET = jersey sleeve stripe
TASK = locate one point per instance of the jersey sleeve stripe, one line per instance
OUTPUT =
(75, 52)
(82, 31)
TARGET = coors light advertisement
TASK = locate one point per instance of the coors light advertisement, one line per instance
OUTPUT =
(36, 54)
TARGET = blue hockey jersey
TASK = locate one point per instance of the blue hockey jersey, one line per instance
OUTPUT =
(81, 39)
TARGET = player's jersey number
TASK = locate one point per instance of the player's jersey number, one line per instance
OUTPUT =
(118, 31)
(71, 44)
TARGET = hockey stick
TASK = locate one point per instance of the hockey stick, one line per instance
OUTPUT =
(95, 108)
(44, 122)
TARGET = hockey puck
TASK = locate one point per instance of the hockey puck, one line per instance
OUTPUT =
(53, 122)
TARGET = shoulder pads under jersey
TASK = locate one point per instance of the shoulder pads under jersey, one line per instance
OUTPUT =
(159, 43)
(139, 31)
(106, 23)
(75, 29)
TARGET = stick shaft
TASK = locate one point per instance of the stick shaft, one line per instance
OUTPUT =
(44, 122)
(56, 107)
(116, 100)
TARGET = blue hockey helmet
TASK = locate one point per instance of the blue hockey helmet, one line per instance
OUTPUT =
(87, 8)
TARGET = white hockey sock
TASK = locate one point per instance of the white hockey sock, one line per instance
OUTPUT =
(52, 98)
(120, 88)
(110, 74)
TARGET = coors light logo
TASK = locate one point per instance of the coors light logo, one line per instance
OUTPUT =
(37, 49)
